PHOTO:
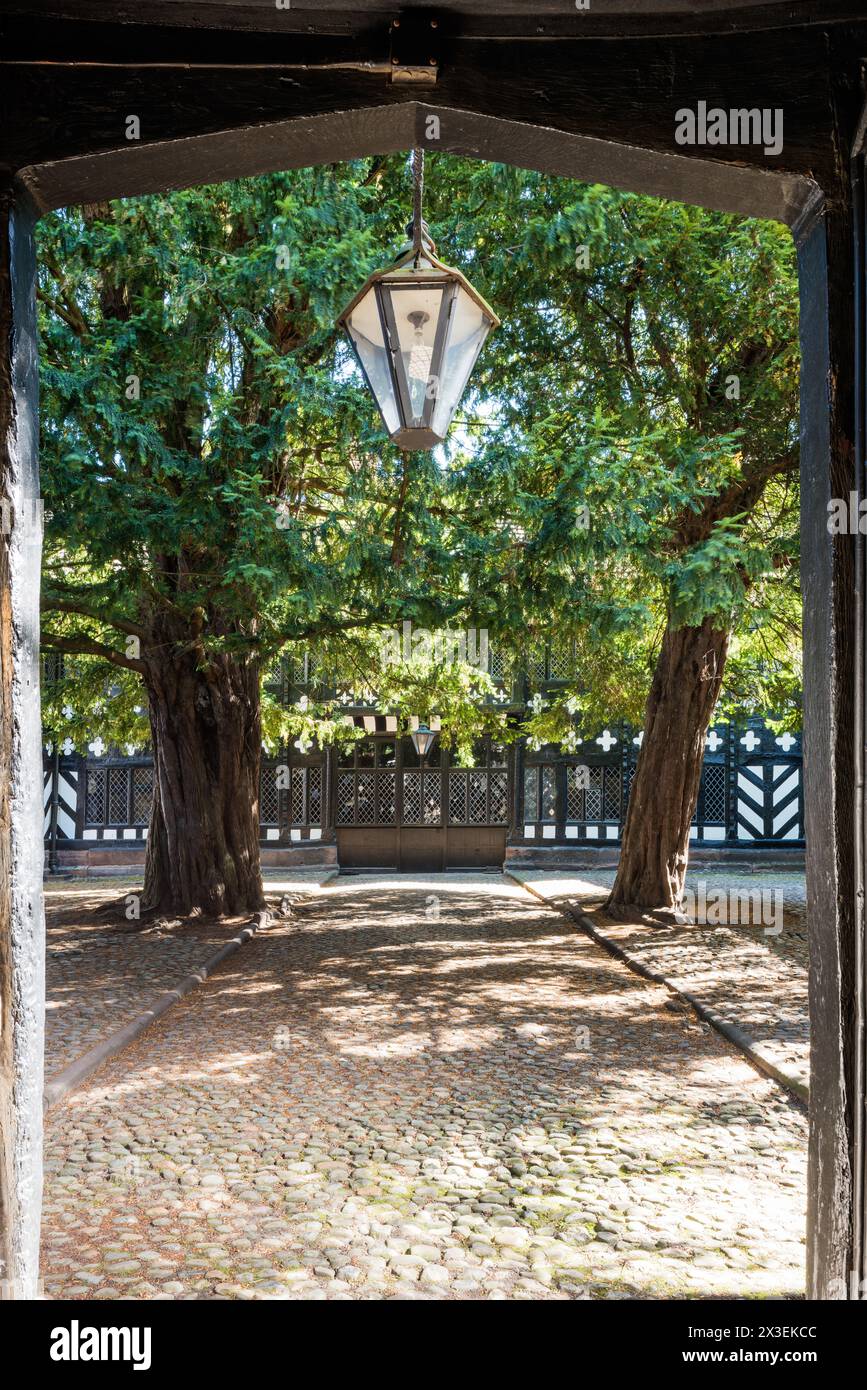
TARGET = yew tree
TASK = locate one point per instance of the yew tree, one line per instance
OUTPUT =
(216, 482)
(622, 474)
(635, 442)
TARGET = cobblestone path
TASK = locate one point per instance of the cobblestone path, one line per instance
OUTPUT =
(430, 1087)
(97, 977)
(754, 978)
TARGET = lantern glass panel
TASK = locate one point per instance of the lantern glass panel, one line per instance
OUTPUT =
(416, 316)
(365, 329)
(423, 739)
(468, 330)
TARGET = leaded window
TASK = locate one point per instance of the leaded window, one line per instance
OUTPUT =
(611, 793)
(269, 796)
(345, 798)
(531, 793)
(422, 798)
(457, 798)
(118, 795)
(498, 782)
(365, 798)
(713, 793)
(592, 793)
(576, 785)
(314, 795)
(94, 800)
(142, 794)
(386, 797)
(540, 793)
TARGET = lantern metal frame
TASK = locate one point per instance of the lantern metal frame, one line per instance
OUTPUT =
(423, 728)
(416, 266)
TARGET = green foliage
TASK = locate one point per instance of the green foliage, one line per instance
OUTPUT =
(85, 702)
(657, 387)
(601, 477)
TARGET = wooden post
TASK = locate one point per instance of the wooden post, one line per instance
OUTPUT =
(22, 944)
(833, 701)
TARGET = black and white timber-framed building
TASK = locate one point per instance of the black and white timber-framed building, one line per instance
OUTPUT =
(373, 803)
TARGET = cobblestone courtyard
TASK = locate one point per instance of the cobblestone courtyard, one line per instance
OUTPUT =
(747, 976)
(426, 1087)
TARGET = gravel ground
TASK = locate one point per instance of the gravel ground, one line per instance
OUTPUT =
(425, 1087)
(752, 976)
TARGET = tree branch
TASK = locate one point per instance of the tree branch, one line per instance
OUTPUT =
(78, 644)
(59, 605)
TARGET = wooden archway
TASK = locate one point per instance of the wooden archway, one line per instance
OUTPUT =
(590, 95)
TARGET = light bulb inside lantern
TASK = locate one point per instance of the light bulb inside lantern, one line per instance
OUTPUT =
(418, 369)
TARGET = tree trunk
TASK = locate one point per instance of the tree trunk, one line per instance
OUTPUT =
(203, 842)
(665, 788)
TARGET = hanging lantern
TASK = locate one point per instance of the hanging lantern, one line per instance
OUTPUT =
(423, 740)
(417, 328)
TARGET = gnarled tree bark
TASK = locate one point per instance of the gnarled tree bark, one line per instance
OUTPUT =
(686, 684)
(203, 841)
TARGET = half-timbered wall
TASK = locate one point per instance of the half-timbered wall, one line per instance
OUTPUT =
(751, 791)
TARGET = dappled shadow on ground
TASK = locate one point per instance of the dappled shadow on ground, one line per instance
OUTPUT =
(103, 969)
(429, 1087)
(752, 978)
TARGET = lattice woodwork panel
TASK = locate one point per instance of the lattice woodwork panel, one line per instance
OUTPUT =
(536, 665)
(386, 794)
(611, 793)
(531, 793)
(499, 789)
(52, 666)
(412, 814)
(296, 668)
(94, 803)
(118, 795)
(575, 793)
(457, 798)
(422, 798)
(297, 797)
(269, 797)
(433, 798)
(142, 794)
(714, 777)
(345, 798)
(477, 798)
(559, 661)
(365, 806)
(593, 795)
(314, 796)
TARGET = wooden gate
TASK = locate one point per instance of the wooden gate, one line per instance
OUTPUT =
(393, 811)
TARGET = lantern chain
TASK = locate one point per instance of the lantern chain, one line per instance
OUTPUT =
(417, 197)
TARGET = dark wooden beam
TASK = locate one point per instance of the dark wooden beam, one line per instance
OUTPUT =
(621, 91)
(329, 138)
(598, 103)
(830, 752)
(497, 19)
